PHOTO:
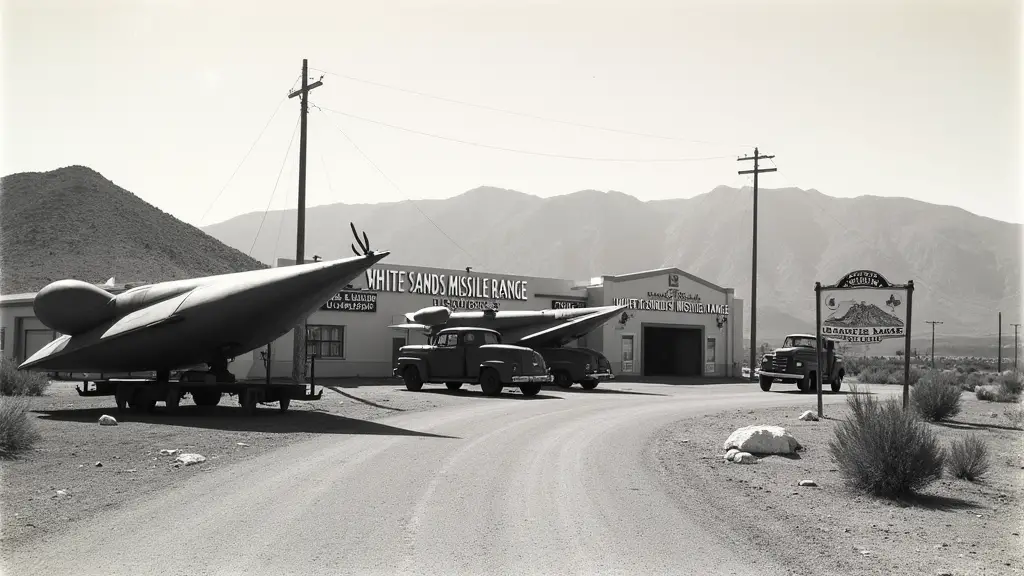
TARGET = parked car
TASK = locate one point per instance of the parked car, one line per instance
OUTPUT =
(577, 365)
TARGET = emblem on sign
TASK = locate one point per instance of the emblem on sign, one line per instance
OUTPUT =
(673, 280)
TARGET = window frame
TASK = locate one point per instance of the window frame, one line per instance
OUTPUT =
(320, 341)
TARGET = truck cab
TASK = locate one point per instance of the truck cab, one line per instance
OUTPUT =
(572, 365)
(797, 362)
(457, 356)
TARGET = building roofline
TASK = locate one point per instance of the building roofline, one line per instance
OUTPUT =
(659, 272)
(23, 298)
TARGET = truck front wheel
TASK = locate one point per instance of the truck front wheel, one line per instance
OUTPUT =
(413, 382)
(490, 383)
(837, 383)
(529, 389)
(766, 383)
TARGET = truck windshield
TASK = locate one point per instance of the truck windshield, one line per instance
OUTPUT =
(798, 342)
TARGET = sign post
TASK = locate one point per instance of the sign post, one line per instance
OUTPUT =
(858, 311)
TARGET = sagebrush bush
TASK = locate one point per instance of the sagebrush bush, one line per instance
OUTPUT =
(14, 382)
(1015, 416)
(17, 430)
(936, 396)
(968, 457)
(885, 450)
(1010, 384)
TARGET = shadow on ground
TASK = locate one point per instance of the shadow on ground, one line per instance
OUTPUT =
(938, 503)
(814, 394)
(230, 418)
(506, 393)
(337, 390)
(959, 425)
(600, 390)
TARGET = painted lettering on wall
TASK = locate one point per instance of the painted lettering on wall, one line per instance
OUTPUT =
(352, 301)
(681, 306)
(863, 334)
(456, 304)
(564, 304)
(674, 294)
(450, 285)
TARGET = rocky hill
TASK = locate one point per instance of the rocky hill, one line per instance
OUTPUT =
(965, 267)
(74, 223)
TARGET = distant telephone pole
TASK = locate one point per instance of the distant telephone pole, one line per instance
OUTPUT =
(933, 323)
(1015, 326)
(753, 257)
(299, 350)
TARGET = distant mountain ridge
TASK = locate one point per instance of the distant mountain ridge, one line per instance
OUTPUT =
(863, 314)
(966, 267)
(74, 223)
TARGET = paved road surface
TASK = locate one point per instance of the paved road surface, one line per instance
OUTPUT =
(557, 484)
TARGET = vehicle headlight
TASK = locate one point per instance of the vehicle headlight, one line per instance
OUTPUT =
(799, 364)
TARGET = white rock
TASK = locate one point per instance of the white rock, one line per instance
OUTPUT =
(107, 420)
(731, 453)
(190, 459)
(808, 483)
(167, 452)
(761, 439)
(744, 458)
(809, 416)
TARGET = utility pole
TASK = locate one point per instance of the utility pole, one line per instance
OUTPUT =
(299, 350)
(933, 323)
(1015, 326)
(753, 256)
(999, 345)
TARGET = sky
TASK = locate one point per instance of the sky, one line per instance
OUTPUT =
(183, 102)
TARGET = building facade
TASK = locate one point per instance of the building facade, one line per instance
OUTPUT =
(675, 324)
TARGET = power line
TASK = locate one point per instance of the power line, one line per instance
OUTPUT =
(396, 187)
(225, 187)
(533, 116)
(529, 152)
(272, 194)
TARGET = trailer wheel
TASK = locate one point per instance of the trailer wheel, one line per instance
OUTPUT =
(453, 385)
(121, 397)
(144, 399)
(206, 397)
(589, 384)
(173, 399)
(285, 402)
(248, 400)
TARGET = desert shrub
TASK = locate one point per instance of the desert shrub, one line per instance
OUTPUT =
(883, 449)
(936, 396)
(1010, 384)
(1015, 416)
(14, 382)
(968, 457)
(17, 430)
(986, 393)
(974, 379)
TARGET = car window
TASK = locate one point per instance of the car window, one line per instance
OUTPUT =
(444, 340)
(470, 339)
(490, 338)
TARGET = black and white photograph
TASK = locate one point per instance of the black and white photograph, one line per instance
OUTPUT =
(536, 287)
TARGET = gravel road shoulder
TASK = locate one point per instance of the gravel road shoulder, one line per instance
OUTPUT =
(956, 527)
(79, 468)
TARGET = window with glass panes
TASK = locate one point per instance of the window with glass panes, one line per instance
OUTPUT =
(325, 341)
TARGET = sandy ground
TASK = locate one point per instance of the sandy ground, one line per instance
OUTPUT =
(955, 527)
(59, 481)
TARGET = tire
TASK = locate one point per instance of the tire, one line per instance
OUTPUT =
(805, 385)
(413, 382)
(121, 396)
(172, 400)
(248, 399)
(589, 384)
(144, 399)
(490, 383)
(453, 385)
(562, 380)
(837, 384)
(206, 397)
(529, 389)
(285, 402)
(766, 383)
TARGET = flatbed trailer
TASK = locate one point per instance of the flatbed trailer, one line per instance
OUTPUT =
(142, 395)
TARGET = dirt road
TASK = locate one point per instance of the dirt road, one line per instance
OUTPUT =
(556, 484)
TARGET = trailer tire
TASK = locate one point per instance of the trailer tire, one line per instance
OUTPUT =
(121, 396)
(285, 402)
(453, 385)
(589, 384)
(173, 399)
(144, 399)
(248, 399)
(206, 397)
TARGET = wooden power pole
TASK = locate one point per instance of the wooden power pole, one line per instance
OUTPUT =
(933, 323)
(299, 350)
(1015, 326)
(999, 345)
(753, 258)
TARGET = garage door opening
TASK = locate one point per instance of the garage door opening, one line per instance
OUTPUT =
(672, 351)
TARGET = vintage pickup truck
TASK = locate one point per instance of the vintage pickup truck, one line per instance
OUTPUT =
(571, 365)
(797, 361)
(458, 356)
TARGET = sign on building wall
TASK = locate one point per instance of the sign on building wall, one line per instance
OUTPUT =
(672, 300)
(352, 301)
(563, 304)
(463, 304)
(471, 286)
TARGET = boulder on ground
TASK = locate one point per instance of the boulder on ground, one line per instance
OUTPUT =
(762, 439)
(731, 454)
(808, 415)
(744, 458)
(190, 459)
(108, 420)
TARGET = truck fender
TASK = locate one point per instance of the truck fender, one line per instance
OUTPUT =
(503, 369)
(419, 363)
